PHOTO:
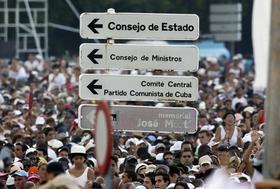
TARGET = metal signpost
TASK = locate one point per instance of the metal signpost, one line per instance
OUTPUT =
(130, 87)
(123, 56)
(144, 119)
(152, 26)
(139, 26)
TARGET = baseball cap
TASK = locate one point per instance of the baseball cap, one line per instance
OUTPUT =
(162, 168)
(40, 121)
(176, 146)
(30, 150)
(33, 177)
(205, 160)
(160, 145)
(140, 166)
(20, 173)
(3, 174)
(10, 181)
(54, 143)
(150, 168)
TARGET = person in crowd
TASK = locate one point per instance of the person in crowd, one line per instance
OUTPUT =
(116, 180)
(149, 180)
(20, 177)
(81, 173)
(54, 169)
(162, 180)
(169, 157)
(229, 134)
(186, 161)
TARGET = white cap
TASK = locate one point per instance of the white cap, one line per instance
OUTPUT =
(30, 150)
(207, 128)
(40, 121)
(159, 156)
(205, 159)
(90, 144)
(176, 146)
(10, 181)
(140, 166)
(54, 143)
(249, 109)
(78, 149)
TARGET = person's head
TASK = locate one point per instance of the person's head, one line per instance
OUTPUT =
(140, 170)
(204, 136)
(42, 169)
(223, 155)
(63, 152)
(149, 180)
(160, 148)
(204, 149)
(186, 145)
(162, 180)
(131, 160)
(205, 163)
(239, 92)
(3, 178)
(20, 150)
(174, 173)
(186, 157)
(41, 138)
(228, 104)
(114, 165)
(181, 185)
(54, 169)
(78, 155)
(169, 157)
(50, 133)
(42, 152)
(20, 177)
(29, 185)
(129, 176)
(229, 119)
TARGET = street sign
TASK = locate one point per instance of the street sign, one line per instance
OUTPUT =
(226, 8)
(225, 22)
(216, 18)
(124, 56)
(139, 87)
(139, 26)
(228, 36)
(225, 27)
(144, 118)
(103, 137)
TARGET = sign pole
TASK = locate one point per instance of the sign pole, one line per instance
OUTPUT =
(271, 167)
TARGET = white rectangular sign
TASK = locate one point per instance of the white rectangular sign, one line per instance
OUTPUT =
(225, 18)
(225, 8)
(224, 27)
(124, 56)
(139, 26)
(139, 87)
(144, 118)
(228, 36)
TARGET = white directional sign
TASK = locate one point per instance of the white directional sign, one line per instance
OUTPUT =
(139, 26)
(124, 56)
(147, 88)
(144, 119)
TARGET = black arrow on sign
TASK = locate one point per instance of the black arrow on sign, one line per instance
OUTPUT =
(93, 25)
(92, 86)
(92, 56)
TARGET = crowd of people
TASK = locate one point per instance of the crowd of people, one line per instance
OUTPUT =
(43, 147)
